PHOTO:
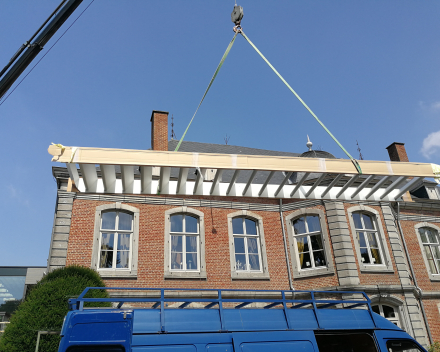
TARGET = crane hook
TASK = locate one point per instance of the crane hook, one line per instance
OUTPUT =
(236, 16)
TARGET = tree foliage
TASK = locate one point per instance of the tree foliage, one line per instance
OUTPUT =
(435, 347)
(45, 308)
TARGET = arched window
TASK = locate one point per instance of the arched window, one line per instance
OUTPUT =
(184, 243)
(389, 312)
(247, 246)
(115, 246)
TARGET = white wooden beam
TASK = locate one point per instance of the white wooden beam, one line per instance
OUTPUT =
(362, 185)
(146, 178)
(127, 174)
(234, 178)
(181, 181)
(316, 184)
(108, 174)
(392, 186)
(348, 184)
(377, 186)
(248, 184)
(299, 183)
(164, 180)
(73, 173)
(280, 187)
(331, 185)
(90, 176)
(266, 183)
(216, 181)
(408, 186)
(198, 185)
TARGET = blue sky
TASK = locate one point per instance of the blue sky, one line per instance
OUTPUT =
(370, 70)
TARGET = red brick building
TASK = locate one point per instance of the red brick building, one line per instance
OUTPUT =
(220, 216)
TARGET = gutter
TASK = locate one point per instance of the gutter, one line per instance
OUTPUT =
(289, 275)
(425, 318)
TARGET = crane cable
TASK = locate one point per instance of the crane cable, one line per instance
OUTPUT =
(228, 49)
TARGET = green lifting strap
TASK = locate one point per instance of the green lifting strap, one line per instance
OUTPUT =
(356, 164)
(228, 49)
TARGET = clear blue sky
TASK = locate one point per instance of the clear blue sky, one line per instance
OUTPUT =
(369, 69)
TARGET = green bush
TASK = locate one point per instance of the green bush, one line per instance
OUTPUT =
(45, 308)
(435, 347)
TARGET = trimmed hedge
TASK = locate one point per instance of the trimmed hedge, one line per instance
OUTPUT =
(45, 308)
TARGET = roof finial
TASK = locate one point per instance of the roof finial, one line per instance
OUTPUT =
(309, 144)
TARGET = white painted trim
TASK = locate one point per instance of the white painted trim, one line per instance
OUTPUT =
(432, 277)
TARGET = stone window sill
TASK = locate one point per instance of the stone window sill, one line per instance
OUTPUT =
(185, 275)
(434, 277)
(376, 269)
(249, 276)
(313, 272)
(114, 274)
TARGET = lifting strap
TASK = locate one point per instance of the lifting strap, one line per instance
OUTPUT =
(228, 49)
(354, 161)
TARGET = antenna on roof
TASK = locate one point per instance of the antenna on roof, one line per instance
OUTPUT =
(359, 150)
(226, 138)
(173, 135)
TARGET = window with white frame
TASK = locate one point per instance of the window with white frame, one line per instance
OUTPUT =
(309, 243)
(388, 312)
(185, 243)
(246, 244)
(115, 240)
(368, 239)
(431, 247)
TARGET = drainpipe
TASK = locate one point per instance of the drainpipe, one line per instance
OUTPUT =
(419, 290)
(285, 246)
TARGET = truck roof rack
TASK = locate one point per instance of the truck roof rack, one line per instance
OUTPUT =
(235, 310)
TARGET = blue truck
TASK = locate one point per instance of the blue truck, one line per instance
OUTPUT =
(186, 320)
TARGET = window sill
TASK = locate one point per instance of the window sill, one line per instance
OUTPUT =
(313, 272)
(114, 274)
(185, 275)
(433, 277)
(376, 269)
(249, 276)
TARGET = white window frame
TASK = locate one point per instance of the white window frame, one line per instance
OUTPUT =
(263, 273)
(396, 319)
(245, 236)
(387, 265)
(399, 307)
(184, 236)
(432, 277)
(114, 272)
(200, 273)
(328, 269)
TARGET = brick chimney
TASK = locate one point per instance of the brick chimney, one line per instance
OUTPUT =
(397, 152)
(159, 130)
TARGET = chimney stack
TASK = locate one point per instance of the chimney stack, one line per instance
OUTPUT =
(397, 152)
(159, 130)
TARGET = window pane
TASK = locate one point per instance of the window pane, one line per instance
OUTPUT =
(191, 224)
(108, 220)
(191, 261)
(402, 346)
(375, 309)
(251, 226)
(122, 259)
(176, 243)
(319, 258)
(176, 261)
(388, 311)
(254, 262)
(240, 262)
(364, 256)
(237, 226)
(368, 222)
(375, 254)
(106, 260)
(313, 223)
(302, 244)
(252, 245)
(423, 235)
(107, 241)
(124, 242)
(432, 238)
(372, 239)
(304, 259)
(177, 223)
(361, 239)
(435, 252)
(432, 267)
(299, 226)
(125, 221)
(357, 220)
(239, 245)
(191, 244)
(316, 242)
